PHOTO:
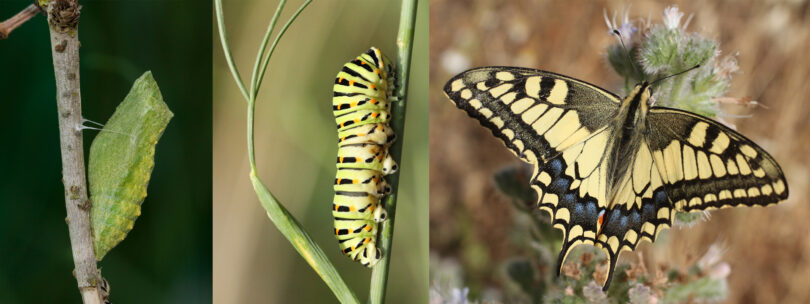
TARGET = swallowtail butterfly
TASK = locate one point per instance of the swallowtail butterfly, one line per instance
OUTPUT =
(360, 104)
(612, 172)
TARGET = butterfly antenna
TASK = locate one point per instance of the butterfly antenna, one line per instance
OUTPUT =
(676, 74)
(629, 59)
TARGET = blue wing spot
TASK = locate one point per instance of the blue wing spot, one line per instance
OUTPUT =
(615, 214)
(659, 198)
(578, 209)
(570, 198)
(623, 221)
(561, 185)
(648, 211)
(591, 210)
(556, 167)
(636, 218)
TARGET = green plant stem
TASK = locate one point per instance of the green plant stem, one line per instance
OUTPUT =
(263, 47)
(223, 38)
(281, 218)
(275, 43)
(407, 22)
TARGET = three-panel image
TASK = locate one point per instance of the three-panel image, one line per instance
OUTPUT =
(404, 151)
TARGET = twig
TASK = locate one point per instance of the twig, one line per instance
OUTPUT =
(407, 22)
(63, 19)
(12, 23)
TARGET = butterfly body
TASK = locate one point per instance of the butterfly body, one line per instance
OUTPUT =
(612, 172)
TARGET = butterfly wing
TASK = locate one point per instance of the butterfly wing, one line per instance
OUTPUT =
(558, 124)
(685, 162)
(639, 209)
(706, 165)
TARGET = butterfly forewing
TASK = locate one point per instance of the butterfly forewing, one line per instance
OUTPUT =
(707, 165)
(558, 124)
(532, 111)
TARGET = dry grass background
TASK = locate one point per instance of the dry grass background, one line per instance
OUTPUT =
(767, 248)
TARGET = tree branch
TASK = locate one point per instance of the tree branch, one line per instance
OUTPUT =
(12, 23)
(63, 20)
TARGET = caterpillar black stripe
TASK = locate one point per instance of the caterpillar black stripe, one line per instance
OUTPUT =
(362, 90)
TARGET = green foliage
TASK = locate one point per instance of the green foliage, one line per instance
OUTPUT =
(121, 161)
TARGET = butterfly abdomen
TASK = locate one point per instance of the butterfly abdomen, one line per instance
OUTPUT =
(361, 107)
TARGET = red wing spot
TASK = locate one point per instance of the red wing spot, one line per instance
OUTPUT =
(601, 218)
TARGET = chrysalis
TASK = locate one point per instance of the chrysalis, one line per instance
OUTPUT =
(121, 161)
(360, 103)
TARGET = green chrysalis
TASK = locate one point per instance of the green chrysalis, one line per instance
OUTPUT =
(121, 162)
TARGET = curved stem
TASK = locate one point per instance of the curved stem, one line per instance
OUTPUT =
(263, 46)
(275, 43)
(407, 22)
(223, 38)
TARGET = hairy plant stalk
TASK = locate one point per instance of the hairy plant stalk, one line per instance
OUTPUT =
(6, 27)
(281, 218)
(407, 23)
(63, 17)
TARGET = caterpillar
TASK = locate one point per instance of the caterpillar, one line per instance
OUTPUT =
(362, 90)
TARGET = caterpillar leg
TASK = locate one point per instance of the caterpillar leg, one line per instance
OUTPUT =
(371, 255)
(389, 165)
(380, 214)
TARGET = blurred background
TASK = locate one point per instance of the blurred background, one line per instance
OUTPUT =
(295, 152)
(167, 256)
(476, 232)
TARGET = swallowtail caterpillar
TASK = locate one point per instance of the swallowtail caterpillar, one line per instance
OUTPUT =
(362, 90)
(121, 162)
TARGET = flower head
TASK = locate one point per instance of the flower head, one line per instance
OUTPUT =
(626, 29)
(672, 18)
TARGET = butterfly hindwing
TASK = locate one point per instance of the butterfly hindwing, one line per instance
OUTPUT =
(571, 187)
(639, 210)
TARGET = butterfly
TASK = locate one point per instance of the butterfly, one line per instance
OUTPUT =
(612, 172)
